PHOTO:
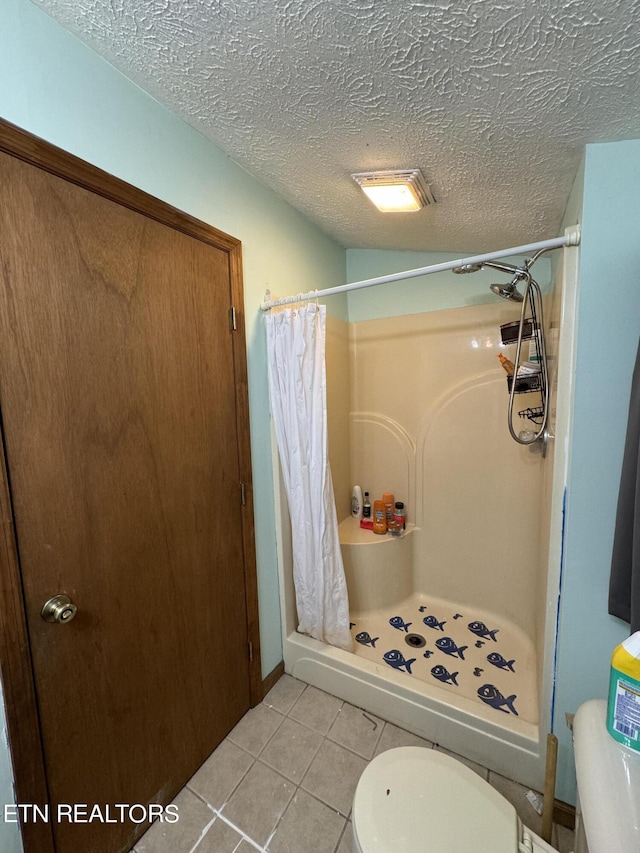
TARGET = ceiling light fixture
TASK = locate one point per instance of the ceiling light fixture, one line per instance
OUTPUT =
(398, 191)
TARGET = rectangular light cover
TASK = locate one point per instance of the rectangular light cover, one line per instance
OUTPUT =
(395, 191)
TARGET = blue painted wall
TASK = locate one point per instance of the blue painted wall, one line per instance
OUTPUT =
(608, 323)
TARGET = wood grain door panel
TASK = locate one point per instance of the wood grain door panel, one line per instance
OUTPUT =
(118, 398)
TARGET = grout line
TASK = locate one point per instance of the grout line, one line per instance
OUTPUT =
(204, 831)
(286, 713)
(283, 716)
(272, 735)
(318, 800)
(300, 789)
(232, 791)
(346, 829)
(313, 757)
(201, 798)
(237, 745)
(303, 723)
(237, 829)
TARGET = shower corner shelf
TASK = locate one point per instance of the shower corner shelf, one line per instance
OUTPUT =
(525, 384)
(509, 331)
(350, 533)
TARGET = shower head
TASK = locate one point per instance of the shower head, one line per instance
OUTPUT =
(508, 291)
(508, 268)
(463, 269)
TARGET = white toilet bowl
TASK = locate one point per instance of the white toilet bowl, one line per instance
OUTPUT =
(419, 800)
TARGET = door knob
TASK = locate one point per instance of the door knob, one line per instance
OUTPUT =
(59, 609)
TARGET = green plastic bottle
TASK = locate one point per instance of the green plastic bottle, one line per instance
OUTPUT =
(623, 709)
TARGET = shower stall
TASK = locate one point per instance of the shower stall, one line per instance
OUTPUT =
(455, 621)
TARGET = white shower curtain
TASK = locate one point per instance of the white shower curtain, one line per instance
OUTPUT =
(297, 384)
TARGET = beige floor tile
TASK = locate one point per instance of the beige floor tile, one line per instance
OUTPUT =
(333, 776)
(220, 838)
(257, 804)
(316, 709)
(307, 826)
(393, 737)
(346, 842)
(284, 694)
(356, 729)
(255, 729)
(516, 794)
(221, 773)
(291, 750)
(477, 768)
(307, 737)
(181, 836)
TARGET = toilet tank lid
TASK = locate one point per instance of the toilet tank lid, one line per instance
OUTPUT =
(608, 777)
(410, 797)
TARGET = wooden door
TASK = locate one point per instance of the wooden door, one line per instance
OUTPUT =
(119, 400)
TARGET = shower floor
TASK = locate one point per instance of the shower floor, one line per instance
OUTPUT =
(451, 646)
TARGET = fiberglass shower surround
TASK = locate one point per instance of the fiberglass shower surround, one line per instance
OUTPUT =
(459, 569)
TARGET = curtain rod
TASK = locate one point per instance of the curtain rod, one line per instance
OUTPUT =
(571, 238)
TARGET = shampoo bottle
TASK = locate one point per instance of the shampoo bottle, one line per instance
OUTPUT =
(389, 502)
(623, 708)
(379, 517)
(356, 502)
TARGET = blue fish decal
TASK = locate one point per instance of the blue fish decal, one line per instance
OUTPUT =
(444, 675)
(497, 660)
(481, 630)
(365, 639)
(490, 694)
(446, 645)
(397, 660)
(399, 623)
(432, 622)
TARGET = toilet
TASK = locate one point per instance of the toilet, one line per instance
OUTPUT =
(418, 800)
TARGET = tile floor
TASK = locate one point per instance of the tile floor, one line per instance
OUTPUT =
(284, 778)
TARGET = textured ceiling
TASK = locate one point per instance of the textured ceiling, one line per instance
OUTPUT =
(492, 99)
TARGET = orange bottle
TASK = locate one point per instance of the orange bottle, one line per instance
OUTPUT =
(389, 503)
(379, 517)
(509, 366)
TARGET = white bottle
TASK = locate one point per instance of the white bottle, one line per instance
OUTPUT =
(356, 502)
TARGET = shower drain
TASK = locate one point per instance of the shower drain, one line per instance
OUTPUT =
(415, 640)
